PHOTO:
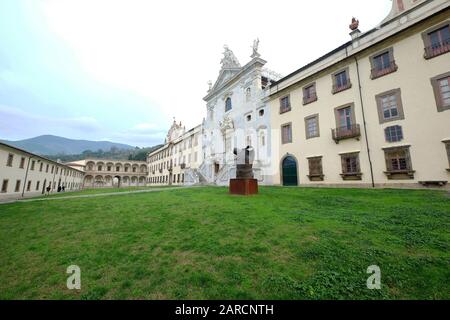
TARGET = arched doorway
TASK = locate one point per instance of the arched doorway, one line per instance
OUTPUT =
(289, 171)
(116, 182)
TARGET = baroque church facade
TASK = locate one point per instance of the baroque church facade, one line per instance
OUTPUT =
(237, 117)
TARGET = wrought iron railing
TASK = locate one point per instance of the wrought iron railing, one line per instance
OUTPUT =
(379, 72)
(346, 132)
(311, 98)
(437, 49)
(339, 88)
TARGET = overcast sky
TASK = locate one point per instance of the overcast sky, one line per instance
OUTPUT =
(121, 70)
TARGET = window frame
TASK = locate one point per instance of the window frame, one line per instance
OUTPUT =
(427, 41)
(352, 114)
(311, 99)
(5, 183)
(315, 176)
(346, 175)
(447, 149)
(288, 97)
(228, 98)
(437, 92)
(399, 174)
(335, 89)
(307, 133)
(10, 160)
(17, 186)
(396, 133)
(375, 74)
(400, 112)
(289, 124)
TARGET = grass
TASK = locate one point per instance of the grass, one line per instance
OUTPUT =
(101, 190)
(201, 243)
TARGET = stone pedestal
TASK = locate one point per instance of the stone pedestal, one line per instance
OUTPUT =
(244, 187)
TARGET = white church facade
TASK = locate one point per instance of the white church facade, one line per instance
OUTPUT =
(237, 117)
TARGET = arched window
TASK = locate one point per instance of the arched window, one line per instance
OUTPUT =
(228, 104)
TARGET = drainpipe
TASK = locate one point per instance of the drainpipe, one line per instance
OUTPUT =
(364, 123)
(26, 176)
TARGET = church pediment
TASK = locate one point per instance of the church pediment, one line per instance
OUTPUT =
(224, 76)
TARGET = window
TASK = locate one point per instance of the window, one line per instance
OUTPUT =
(228, 105)
(437, 40)
(9, 162)
(341, 81)
(117, 169)
(285, 104)
(40, 167)
(108, 168)
(447, 146)
(37, 185)
(46, 168)
(286, 133)
(315, 169)
(390, 106)
(261, 112)
(309, 94)
(22, 163)
(53, 169)
(312, 126)
(33, 163)
(393, 134)
(28, 185)
(5, 186)
(441, 88)
(346, 126)
(350, 166)
(383, 63)
(398, 163)
(17, 188)
(249, 117)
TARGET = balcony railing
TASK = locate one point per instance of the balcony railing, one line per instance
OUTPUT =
(339, 88)
(436, 50)
(377, 72)
(346, 132)
(309, 99)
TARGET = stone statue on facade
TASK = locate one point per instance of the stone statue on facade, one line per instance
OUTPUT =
(255, 46)
(229, 60)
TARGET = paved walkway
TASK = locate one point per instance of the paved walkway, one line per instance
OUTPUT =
(94, 195)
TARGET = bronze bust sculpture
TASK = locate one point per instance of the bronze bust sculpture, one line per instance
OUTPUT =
(244, 162)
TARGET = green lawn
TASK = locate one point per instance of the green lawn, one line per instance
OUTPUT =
(101, 190)
(201, 243)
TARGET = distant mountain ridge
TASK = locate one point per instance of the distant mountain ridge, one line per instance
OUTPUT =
(54, 145)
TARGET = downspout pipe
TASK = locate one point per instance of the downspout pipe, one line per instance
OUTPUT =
(364, 123)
